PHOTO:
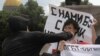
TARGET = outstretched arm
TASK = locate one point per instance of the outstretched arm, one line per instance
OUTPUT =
(49, 38)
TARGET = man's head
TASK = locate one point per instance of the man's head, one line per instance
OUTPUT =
(17, 23)
(71, 26)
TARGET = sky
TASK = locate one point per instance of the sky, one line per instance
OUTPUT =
(45, 3)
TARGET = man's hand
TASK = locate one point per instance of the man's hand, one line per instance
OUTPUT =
(66, 35)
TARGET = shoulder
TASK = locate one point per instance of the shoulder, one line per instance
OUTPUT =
(34, 33)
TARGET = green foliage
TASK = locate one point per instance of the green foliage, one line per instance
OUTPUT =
(63, 4)
(70, 2)
(76, 2)
(3, 23)
(86, 2)
(33, 11)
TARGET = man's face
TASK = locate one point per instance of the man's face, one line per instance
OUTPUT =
(70, 28)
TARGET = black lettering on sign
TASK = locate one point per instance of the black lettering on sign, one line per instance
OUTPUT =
(96, 49)
(52, 11)
(90, 22)
(87, 49)
(67, 15)
(57, 23)
(79, 18)
(66, 47)
(73, 16)
(61, 12)
(77, 47)
(87, 21)
(74, 48)
(71, 48)
(81, 31)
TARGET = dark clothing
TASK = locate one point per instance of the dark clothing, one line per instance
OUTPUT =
(97, 40)
(30, 43)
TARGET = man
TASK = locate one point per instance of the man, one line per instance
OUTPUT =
(23, 43)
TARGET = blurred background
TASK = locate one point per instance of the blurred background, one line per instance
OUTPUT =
(38, 10)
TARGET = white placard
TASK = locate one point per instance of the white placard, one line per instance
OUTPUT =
(81, 50)
(57, 17)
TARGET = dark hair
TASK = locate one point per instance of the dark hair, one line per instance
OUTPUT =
(97, 41)
(17, 23)
(74, 23)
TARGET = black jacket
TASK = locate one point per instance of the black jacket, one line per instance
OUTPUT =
(30, 43)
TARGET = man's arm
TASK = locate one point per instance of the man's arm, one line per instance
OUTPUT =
(48, 38)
